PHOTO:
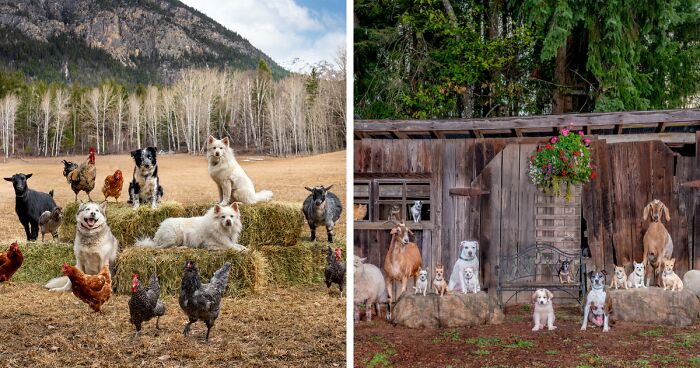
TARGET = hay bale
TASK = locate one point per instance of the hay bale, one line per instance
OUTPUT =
(43, 261)
(270, 223)
(249, 270)
(304, 263)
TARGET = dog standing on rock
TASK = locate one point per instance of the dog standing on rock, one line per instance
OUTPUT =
(233, 183)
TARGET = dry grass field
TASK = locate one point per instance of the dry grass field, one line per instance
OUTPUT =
(184, 179)
(280, 327)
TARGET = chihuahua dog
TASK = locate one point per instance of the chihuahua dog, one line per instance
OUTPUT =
(636, 278)
(439, 283)
(619, 280)
(544, 310)
(670, 279)
(565, 272)
(470, 282)
(598, 305)
(422, 282)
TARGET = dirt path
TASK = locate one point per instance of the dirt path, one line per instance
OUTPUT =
(513, 344)
(184, 179)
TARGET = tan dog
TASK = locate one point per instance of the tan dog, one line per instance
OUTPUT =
(359, 211)
(670, 279)
(619, 279)
(439, 283)
(658, 245)
(544, 310)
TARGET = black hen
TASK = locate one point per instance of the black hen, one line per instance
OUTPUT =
(144, 303)
(335, 269)
(202, 302)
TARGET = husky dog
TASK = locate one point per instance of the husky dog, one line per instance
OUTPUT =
(416, 210)
(94, 245)
(470, 283)
(145, 185)
(229, 176)
(544, 310)
(422, 282)
(468, 257)
(219, 228)
(636, 278)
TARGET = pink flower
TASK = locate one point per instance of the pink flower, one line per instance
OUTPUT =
(580, 132)
(554, 139)
(586, 141)
(565, 132)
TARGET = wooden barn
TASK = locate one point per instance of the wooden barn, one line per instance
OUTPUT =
(472, 178)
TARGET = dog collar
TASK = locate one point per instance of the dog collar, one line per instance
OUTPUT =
(464, 259)
(668, 274)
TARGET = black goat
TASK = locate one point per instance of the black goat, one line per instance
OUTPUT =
(322, 207)
(30, 204)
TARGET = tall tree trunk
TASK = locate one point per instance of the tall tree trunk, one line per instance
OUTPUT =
(559, 97)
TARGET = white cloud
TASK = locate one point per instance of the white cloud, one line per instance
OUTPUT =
(283, 29)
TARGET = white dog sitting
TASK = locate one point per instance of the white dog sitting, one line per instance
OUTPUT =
(422, 282)
(470, 282)
(468, 257)
(636, 278)
(544, 310)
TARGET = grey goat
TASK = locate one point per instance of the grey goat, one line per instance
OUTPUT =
(49, 221)
(321, 208)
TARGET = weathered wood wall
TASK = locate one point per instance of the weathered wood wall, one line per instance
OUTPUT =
(629, 176)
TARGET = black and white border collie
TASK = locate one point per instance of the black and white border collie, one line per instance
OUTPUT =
(145, 185)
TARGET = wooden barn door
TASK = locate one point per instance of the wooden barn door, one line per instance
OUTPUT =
(630, 175)
(508, 212)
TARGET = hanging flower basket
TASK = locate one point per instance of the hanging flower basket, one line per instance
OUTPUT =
(564, 161)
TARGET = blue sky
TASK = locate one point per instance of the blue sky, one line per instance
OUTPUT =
(295, 33)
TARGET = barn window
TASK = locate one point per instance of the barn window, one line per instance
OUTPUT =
(388, 199)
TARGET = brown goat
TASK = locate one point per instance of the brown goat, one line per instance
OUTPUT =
(658, 245)
(403, 260)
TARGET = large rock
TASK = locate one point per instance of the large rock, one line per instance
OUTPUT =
(452, 310)
(691, 281)
(655, 306)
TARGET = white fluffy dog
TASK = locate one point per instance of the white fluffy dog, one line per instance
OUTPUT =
(468, 257)
(470, 283)
(219, 228)
(94, 245)
(636, 278)
(229, 176)
(544, 310)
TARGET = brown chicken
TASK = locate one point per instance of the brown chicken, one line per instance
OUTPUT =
(10, 262)
(113, 185)
(94, 290)
(81, 177)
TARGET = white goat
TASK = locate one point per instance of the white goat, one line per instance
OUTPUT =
(369, 287)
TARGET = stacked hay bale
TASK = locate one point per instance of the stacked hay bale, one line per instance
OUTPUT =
(271, 230)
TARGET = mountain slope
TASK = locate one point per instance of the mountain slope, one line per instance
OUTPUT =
(130, 41)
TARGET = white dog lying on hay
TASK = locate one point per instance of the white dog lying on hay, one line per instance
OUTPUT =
(219, 228)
